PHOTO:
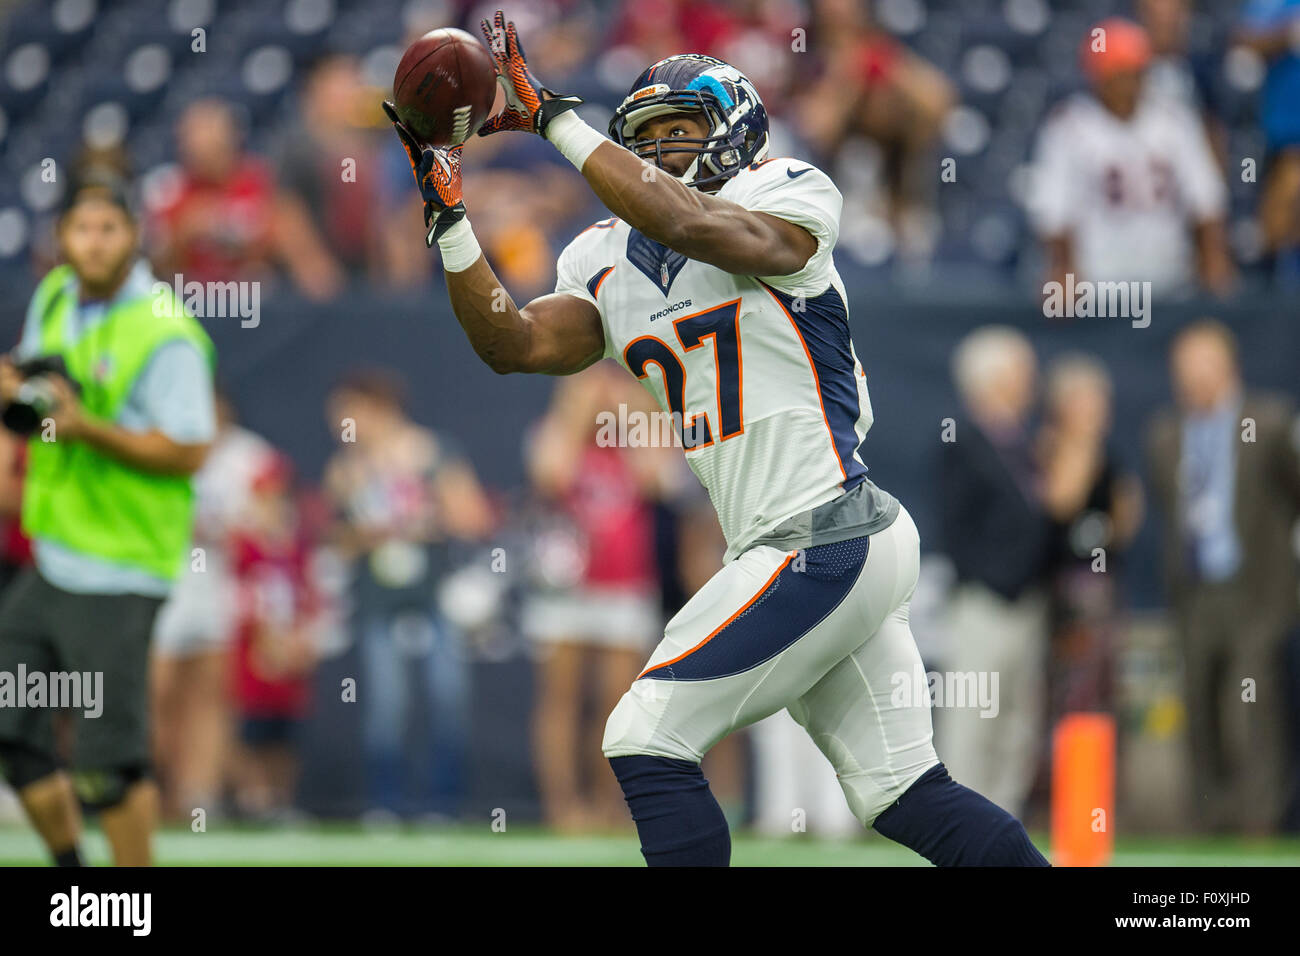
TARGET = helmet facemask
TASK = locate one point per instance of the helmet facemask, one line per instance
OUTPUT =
(718, 156)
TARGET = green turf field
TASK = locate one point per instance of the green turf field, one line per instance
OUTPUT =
(342, 845)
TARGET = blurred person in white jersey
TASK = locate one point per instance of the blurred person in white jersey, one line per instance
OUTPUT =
(1125, 187)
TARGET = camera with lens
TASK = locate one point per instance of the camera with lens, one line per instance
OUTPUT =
(35, 398)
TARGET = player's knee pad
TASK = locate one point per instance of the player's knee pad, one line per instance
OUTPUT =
(634, 726)
(871, 792)
(865, 799)
(21, 765)
(103, 789)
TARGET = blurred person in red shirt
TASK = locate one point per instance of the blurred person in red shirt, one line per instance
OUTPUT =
(660, 28)
(864, 83)
(15, 549)
(330, 195)
(755, 36)
(221, 217)
(277, 609)
(214, 222)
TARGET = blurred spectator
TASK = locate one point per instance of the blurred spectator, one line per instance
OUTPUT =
(600, 614)
(1279, 213)
(1171, 74)
(1225, 467)
(648, 32)
(191, 639)
(1125, 186)
(15, 549)
(216, 221)
(759, 40)
(998, 537)
(861, 82)
(327, 169)
(752, 35)
(275, 647)
(1096, 508)
(1175, 73)
(561, 34)
(1272, 29)
(15, 552)
(403, 496)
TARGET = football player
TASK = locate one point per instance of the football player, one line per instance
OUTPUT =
(714, 286)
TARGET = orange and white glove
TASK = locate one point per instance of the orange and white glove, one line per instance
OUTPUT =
(437, 173)
(529, 105)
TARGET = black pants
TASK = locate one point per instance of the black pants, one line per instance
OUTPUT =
(49, 631)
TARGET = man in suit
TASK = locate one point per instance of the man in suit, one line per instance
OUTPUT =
(996, 534)
(1225, 467)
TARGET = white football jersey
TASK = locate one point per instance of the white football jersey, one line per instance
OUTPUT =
(1128, 192)
(761, 370)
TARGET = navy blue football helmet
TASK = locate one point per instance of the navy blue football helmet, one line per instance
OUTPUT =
(688, 83)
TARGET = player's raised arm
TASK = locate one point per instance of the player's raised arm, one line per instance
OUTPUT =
(554, 334)
(699, 226)
(694, 223)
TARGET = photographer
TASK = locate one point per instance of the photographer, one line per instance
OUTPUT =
(114, 387)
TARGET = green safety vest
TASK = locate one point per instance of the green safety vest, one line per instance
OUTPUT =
(79, 497)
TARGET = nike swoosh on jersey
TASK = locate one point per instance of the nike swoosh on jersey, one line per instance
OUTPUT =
(795, 175)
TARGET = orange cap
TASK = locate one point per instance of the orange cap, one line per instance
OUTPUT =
(1113, 46)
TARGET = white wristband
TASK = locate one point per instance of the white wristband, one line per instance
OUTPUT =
(459, 247)
(573, 138)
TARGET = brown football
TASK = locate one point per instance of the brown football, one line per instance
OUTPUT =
(444, 87)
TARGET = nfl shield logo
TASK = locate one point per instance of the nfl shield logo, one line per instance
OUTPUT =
(103, 369)
(663, 273)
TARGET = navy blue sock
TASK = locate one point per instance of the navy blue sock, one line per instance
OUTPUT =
(952, 825)
(679, 822)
